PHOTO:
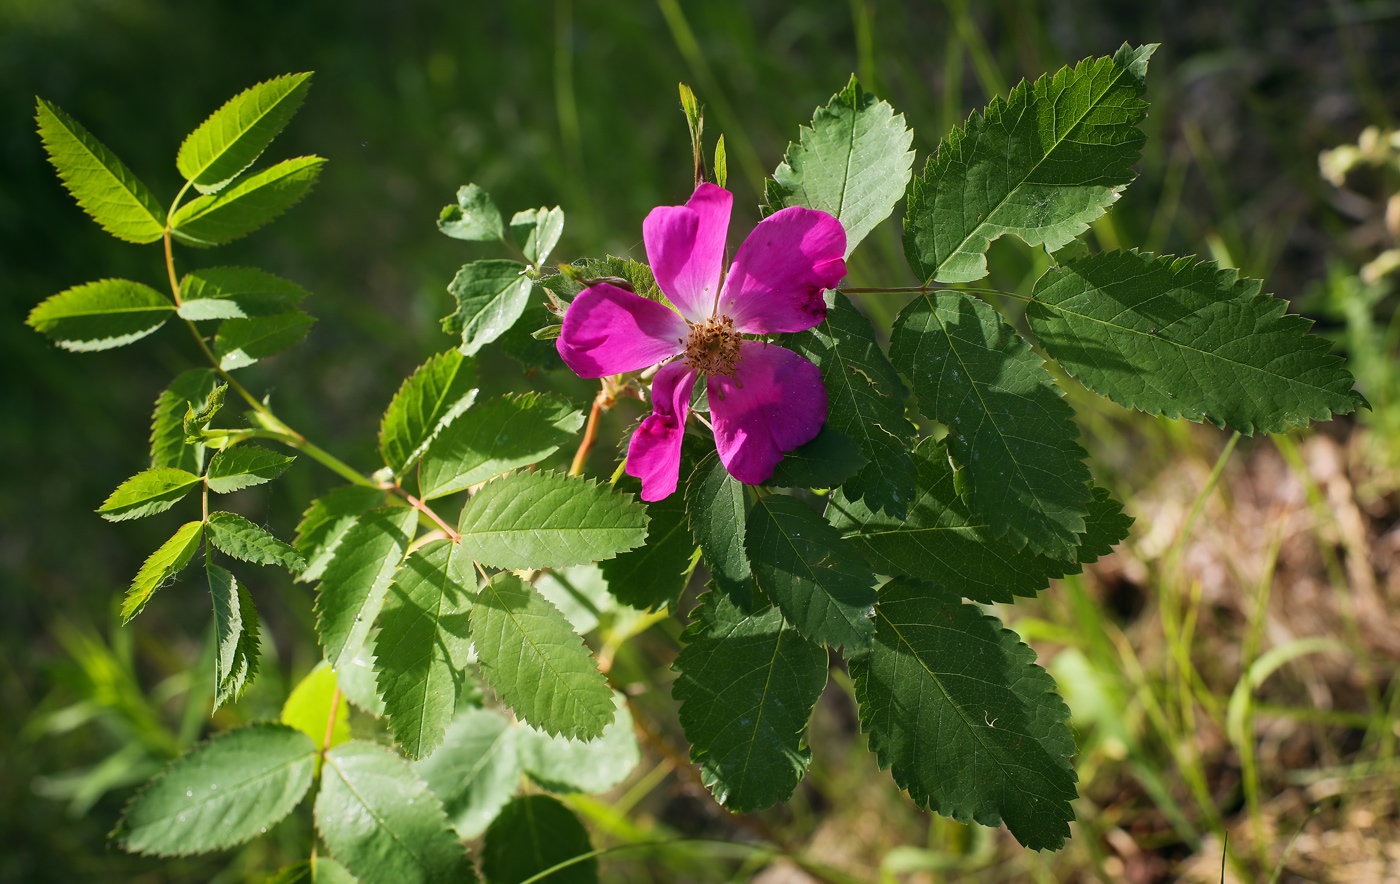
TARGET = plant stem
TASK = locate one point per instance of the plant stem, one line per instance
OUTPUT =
(428, 511)
(590, 433)
(330, 720)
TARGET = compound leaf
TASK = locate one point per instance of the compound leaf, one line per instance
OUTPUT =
(236, 134)
(188, 392)
(236, 293)
(718, 511)
(325, 522)
(101, 315)
(235, 633)
(234, 212)
(495, 437)
(240, 538)
(241, 342)
(167, 561)
(440, 390)
(532, 834)
(354, 583)
(147, 493)
(491, 296)
(476, 771)
(243, 466)
(474, 218)
(564, 765)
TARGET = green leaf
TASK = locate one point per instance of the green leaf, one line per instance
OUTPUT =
(102, 185)
(236, 134)
(235, 212)
(243, 466)
(721, 164)
(354, 583)
(475, 217)
(520, 344)
(718, 511)
(167, 561)
(382, 823)
(1010, 431)
(1178, 338)
(653, 575)
(236, 634)
(970, 725)
(197, 420)
(359, 682)
(536, 662)
(747, 687)
(440, 390)
(236, 293)
(537, 232)
(853, 163)
(308, 707)
(476, 771)
(423, 644)
(580, 593)
(1040, 165)
(564, 765)
(245, 541)
(101, 315)
(491, 296)
(865, 400)
(144, 494)
(313, 871)
(241, 342)
(220, 793)
(495, 437)
(545, 520)
(825, 462)
(189, 391)
(325, 522)
(1105, 527)
(535, 833)
(816, 578)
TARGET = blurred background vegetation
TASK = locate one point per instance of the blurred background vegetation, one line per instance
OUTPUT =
(573, 102)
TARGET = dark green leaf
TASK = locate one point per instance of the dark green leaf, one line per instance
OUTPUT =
(241, 342)
(747, 687)
(535, 833)
(537, 232)
(653, 575)
(1009, 430)
(718, 511)
(144, 494)
(495, 437)
(236, 134)
(220, 793)
(382, 823)
(519, 344)
(313, 871)
(164, 563)
(853, 163)
(564, 765)
(474, 218)
(825, 462)
(1105, 527)
(236, 634)
(970, 725)
(325, 522)
(491, 296)
(476, 771)
(536, 662)
(101, 184)
(101, 315)
(189, 391)
(1174, 337)
(236, 293)
(440, 390)
(354, 583)
(218, 218)
(1040, 165)
(243, 466)
(245, 541)
(816, 578)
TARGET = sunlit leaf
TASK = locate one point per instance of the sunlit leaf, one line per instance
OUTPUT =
(354, 583)
(144, 494)
(236, 536)
(243, 466)
(101, 315)
(430, 399)
(236, 211)
(236, 293)
(475, 771)
(491, 296)
(236, 134)
(164, 563)
(495, 437)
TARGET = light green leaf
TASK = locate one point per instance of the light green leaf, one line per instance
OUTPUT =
(491, 296)
(220, 793)
(243, 466)
(1178, 338)
(532, 834)
(474, 218)
(359, 682)
(580, 593)
(440, 390)
(245, 541)
(476, 771)
(218, 218)
(164, 563)
(382, 823)
(236, 134)
(564, 765)
(354, 583)
(545, 520)
(236, 634)
(423, 644)
(816, 578)
(718, 511)
(972, 728)
(101, 184)
(853, 163)
(241, 342)
(536, 662)
(313, 871)
(747, 687)
(101, 315)
(495, 437)
(537, 232)
(325, 522)
(865, 400)
(308, 707)
(1009, 430)
(654, 575)
(1040, 165)
(721, 164)
(197, 420)
(144, 494)
(189, 391)
(236, 293)
(825, 462)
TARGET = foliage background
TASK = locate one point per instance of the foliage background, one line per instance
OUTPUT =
(571, 102)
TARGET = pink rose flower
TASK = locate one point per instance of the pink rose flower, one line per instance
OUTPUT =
(764, 399)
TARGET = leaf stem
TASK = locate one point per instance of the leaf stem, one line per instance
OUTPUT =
(590, 432)
(428, 511)
(330, 721)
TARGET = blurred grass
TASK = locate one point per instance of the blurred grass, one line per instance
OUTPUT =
(573, 102)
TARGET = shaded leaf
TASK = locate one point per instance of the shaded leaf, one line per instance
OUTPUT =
(476, 771)
(147, 493)
(535, 833)
(245, 541)
(653, 575)
(234, 212)
(440, 390)
(313, 871)
(189, 391)
(495, 437)
(579, 592)
(491, 296)
(717, 507)
(241, 342)
(235, 634)
(1105, 527)
(101, 315)
(325, 522)
(475, 217)
(308, 707)
(519, 342)
(236, 293)
(564, 765)
(243, 466)
(359, 682)
(354, 583)
(235, 135)
(825, 462)
(167, 561)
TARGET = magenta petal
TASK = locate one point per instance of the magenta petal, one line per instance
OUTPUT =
(685, 245)
(610, 331)
(780, 271)
(654, 455)
(775, 402)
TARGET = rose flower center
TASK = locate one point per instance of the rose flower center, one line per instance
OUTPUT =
(713, 347)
